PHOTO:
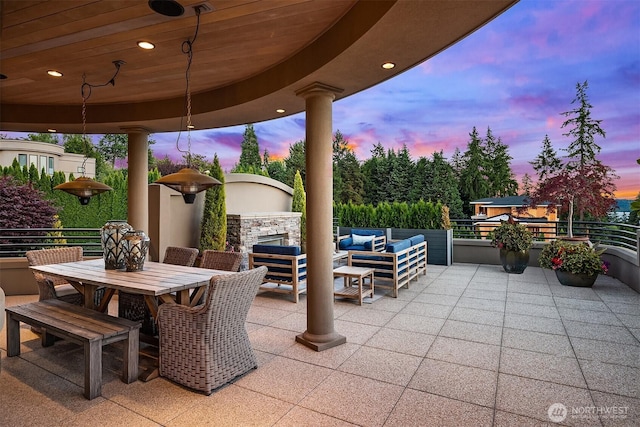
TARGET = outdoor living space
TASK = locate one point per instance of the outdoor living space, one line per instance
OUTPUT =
(465, 345)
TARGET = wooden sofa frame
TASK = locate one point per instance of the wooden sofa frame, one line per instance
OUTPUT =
(284, 272)
(402, 266)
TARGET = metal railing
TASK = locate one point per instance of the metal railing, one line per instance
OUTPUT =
(14, 242)
(607, 233)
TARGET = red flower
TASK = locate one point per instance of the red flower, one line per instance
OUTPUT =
(557, 263)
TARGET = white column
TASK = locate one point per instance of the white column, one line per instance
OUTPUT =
(320, 334)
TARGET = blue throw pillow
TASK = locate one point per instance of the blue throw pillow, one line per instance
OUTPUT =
(359, 240)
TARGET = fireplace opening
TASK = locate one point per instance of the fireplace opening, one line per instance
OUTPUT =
(273, 239)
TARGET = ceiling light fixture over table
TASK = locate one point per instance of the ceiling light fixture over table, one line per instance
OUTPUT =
(188, 181)
(83, 187)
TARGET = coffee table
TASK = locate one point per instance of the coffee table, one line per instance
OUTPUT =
(354, 282)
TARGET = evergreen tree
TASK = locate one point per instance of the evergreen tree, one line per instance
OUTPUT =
(583, 149)
(457, 162)
(473, 180)
(444, 187)
(547, 162)
(277, 170)
(296, 161)
(402, 173)
(376, 171)
(250, 154)
(299, 204)
(527, 184)
(348, 180)
(213, 228)
(498, 171)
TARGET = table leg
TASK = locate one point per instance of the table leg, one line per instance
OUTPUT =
(89, 295)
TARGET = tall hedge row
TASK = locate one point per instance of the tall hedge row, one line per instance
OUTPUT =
(101, 208)
(420, 215)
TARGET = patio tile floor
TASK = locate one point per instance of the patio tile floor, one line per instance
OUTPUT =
(466, 345)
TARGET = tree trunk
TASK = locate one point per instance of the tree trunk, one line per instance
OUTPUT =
(570, 219)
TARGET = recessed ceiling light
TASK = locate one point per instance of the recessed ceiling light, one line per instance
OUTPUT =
(54, 73)
(388, 65)
(51, 130)
(280, 110)
(146, 45)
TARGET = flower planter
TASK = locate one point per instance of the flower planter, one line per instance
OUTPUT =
(579, 280)
(514, 262)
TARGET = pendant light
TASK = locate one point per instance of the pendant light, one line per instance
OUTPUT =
(83, 187)
(188, 181)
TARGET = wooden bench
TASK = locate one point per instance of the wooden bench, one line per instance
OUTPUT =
(80, 325)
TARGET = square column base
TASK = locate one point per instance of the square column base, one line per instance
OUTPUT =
(321, 346)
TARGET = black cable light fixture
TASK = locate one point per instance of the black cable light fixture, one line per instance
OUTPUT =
(188, 181)
(83, 187)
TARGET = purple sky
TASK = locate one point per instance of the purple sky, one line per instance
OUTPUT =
(515, 75)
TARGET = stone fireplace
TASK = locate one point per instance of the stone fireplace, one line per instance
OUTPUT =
(276, 228)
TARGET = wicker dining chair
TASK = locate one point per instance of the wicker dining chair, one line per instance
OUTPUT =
(221, 260)
(133, 307)
(56, 287)
(207, 346)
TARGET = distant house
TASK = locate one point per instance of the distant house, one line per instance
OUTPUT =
(490, 211)
(43, 155)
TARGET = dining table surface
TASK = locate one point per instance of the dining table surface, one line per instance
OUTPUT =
(167, 282)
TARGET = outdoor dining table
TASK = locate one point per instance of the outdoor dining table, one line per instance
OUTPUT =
(157, 281)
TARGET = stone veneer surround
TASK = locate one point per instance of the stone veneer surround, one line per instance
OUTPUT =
(243, 230)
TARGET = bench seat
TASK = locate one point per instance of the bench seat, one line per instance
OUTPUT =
(80, 325)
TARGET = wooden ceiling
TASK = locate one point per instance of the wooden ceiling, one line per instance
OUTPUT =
(249, 57)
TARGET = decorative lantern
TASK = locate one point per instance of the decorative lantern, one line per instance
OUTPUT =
(135, 246)
(112, 234)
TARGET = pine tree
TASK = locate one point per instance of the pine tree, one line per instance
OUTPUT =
(250, 154)
(296, 161)
(583, 149)
(473, 180)
(547, 162)
(527, 184)
(498, 171)
(376, 171)
(213, 234)
(348, 180)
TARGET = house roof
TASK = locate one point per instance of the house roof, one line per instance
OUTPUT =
(509, 201)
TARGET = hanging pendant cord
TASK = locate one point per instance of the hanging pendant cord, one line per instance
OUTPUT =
(187, 49)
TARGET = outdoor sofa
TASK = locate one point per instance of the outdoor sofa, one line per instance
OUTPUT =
(287, 267)
(363, 240)
(397, 265)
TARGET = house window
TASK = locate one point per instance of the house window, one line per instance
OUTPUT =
(33, 160)
(22, 159)
(43, 163)
(50, 167)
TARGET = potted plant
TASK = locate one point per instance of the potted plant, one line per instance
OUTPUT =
(575, 264)
(514, 241)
